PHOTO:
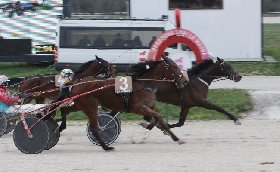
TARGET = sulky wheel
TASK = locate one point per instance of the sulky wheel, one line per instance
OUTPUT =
(116, 119)
(119, 123)
(10, 125)
(108, 129)
(54, 133)
(39, 140)
(3, 124)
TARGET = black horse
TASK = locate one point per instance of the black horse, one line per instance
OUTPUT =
(200, 78)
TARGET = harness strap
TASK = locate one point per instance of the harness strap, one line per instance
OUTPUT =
(203, 81)
(181, 96)
(126, 97)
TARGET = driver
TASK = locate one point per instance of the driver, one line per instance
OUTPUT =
(9, 102)
(66, 77)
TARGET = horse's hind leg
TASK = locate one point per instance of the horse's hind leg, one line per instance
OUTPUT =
(208, 105)
(183, 115)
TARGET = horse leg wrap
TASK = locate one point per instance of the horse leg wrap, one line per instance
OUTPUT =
(149, 127)
(143, 124)
(237, 122)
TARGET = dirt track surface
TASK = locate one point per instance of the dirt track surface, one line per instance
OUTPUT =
(210, 145)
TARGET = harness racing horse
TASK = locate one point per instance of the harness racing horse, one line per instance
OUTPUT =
(163, 71)
(45, 84)
(41, 83)
(142, 100)
(200, 78)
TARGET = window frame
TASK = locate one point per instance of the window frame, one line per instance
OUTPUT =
(195, 8)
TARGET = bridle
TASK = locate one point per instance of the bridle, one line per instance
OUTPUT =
(102, 67)
(177, 77)
(225, 65)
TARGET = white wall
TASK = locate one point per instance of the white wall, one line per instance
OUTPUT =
(232, 33)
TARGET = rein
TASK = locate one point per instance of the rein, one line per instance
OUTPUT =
(35, 94)
(218, 78)
(21, 82)
(38, 86)
(64, 100)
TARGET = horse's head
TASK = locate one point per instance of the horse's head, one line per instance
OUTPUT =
(228, 71)
(106, 68)
(180, 80)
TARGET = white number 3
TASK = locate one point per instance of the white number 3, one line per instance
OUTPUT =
(124, 81)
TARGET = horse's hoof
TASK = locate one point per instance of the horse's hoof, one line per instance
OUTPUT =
(143, 124)
(237, 122)
(166, 133)
(109, 149)
(180, 142)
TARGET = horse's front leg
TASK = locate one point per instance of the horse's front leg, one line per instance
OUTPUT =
(95, 130)
(208, 105)
(167, 129)
(183, 115)
(153, 123)
(40, 100)
(90, 107)
(64, 112)
(146, 111)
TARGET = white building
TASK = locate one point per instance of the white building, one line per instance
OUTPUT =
(232, 32)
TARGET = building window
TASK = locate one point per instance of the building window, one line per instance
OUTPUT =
(195, 4)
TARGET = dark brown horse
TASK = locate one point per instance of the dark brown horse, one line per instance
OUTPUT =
(200, 78)
(141, 101)
(39, 83)
(45, 84)
(161, 69)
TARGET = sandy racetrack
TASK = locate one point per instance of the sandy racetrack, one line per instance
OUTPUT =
(211, 146)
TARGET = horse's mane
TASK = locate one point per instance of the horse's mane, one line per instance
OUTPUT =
(84, 67)
(140, 68)
(197, 69)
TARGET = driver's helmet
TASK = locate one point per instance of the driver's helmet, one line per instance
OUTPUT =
(3, 79)
(66, 75)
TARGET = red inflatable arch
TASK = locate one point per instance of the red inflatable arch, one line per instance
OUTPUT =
(178, 35)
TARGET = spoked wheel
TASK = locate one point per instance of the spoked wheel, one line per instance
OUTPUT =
(54, 133)
(3, 124)
(10, 125)
(108, 129)
(116, 119)
(39, 139)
